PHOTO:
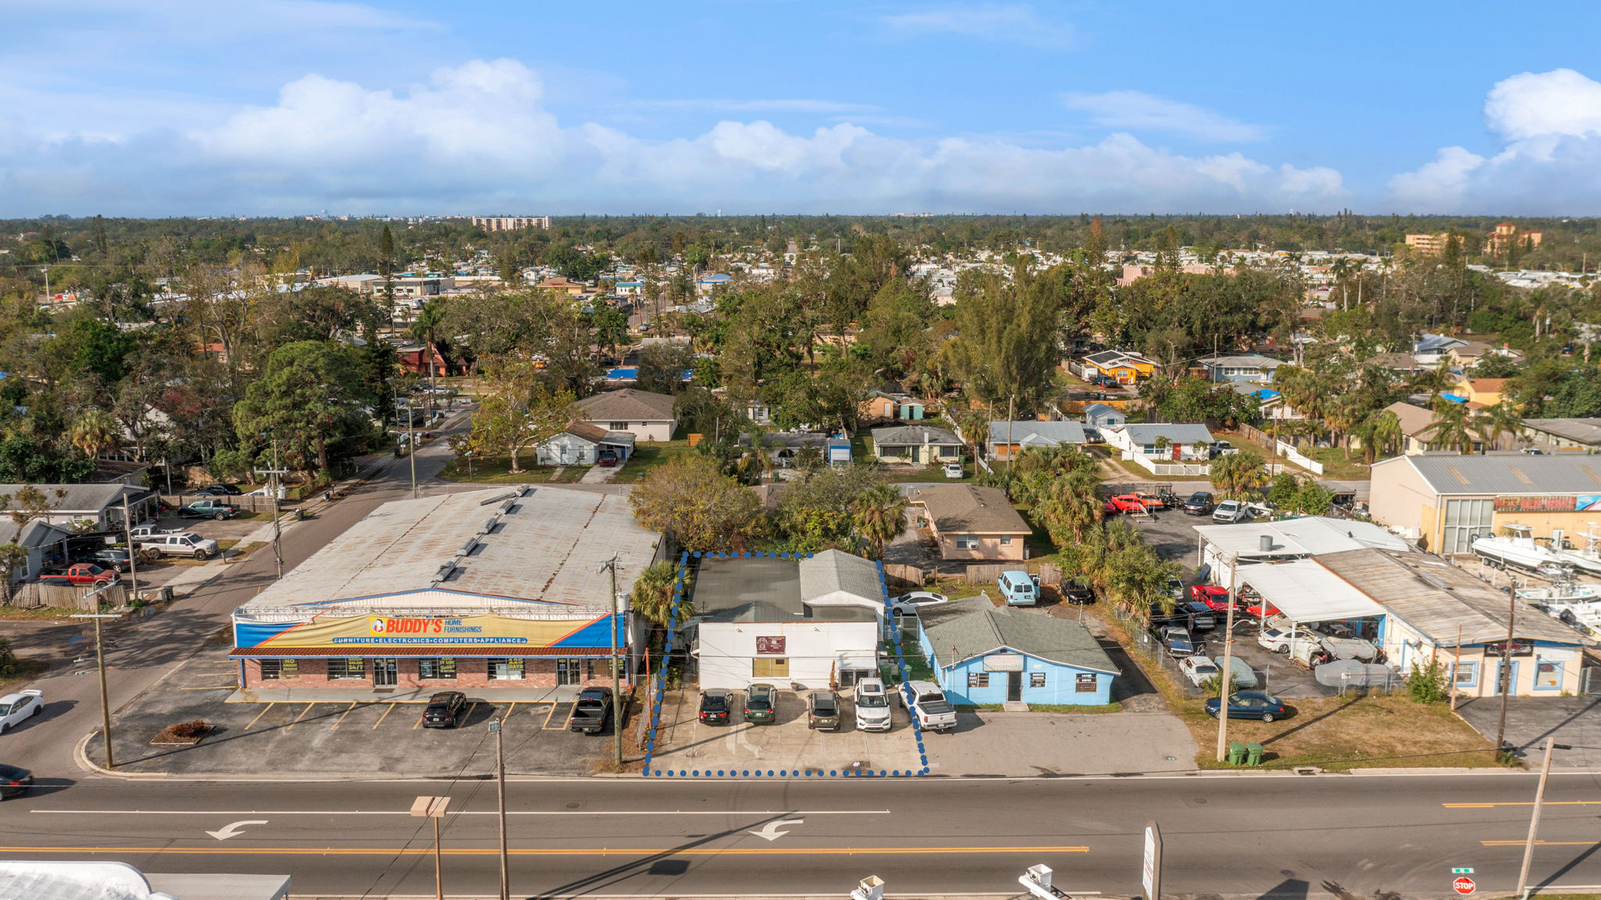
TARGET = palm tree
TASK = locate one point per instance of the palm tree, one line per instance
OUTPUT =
(878, 515)
(1432, 381)
(652, 596)
(1237, 474)
(1380, 435)
(1451, 426)
(1494, 421)
(94, 431)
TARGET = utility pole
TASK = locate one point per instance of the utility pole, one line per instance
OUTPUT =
(1534, 820)
(1456, 663)
(274, 486)
(411, 445)
(500, 791)
(1226, 675)
(133, 554)
(1502, 678)
(616, 681)
(100, 663)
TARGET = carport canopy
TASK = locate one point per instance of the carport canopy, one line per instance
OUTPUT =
(1306, 592)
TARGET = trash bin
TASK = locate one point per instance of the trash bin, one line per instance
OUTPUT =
(1236, 753)
(300, 514)
(1253, 754)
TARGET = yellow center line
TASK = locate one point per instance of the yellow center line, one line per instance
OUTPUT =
(383, 717)
(342, 715)
(1541, 843)
(263, 712)
(547, 851)
(1521, 803)
(299, 717)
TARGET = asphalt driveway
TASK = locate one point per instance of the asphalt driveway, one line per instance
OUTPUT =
(1575, 721)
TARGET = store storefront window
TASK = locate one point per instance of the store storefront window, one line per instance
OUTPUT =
(506, 669)
(275, 669)
(347, 669)
(438, 668)
(1547, 676)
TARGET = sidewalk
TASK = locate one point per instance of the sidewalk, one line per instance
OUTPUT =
(566, 693)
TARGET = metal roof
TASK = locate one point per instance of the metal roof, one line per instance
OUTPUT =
(1037, 434)
(492, 549)
(837, 577)
(909, 435)
(975, 627)
(78, 498)
(1303, 536)
(1580, 431)
(1307, 592)
(1245, 361)
(1507, 475)
(1177, 432)
(771, 589)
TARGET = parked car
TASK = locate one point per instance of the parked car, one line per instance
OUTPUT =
(267, 492)
(928, 706)
(149, 530)
(953, 470)
(1230, 511)
(444, 710)
(14, 781)
(1221, 448)
(1175, 589)
(1128, 503)
(1197, 669)
(822, 711)
(82, 575)
(1018, 588)
(208, 509)
(714, 705)
(1093, 436)
(1199, 504)
(761, 704)
(1201, 616)
(19, 707)
(606, 460)
(1077, 589)
(178, 543)
(219, 490)
(1179, 642)
(908, 604)
(1277, 636)
(592, 711)
(1250, 705)
(1257, 608)
(1151, 501)
(1215, 597)
(116, 558)
(872, 705)
(1260, 510)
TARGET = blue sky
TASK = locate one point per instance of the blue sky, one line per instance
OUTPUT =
(293, 106)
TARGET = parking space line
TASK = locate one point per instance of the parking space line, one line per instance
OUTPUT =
(509, 710)
(418, 723)
(545, 725)
(260, 714)
(215, 687)
(341, 718)
(470, 707)
(383, 717)
(299, 717)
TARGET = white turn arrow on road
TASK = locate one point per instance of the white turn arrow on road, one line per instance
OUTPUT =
(770, 831)
(232, 828)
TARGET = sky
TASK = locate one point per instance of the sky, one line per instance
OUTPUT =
(267, 107)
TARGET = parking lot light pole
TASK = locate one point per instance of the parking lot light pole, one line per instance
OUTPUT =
(274, 486)
(133, 553)
(100, 663)
(500, 791)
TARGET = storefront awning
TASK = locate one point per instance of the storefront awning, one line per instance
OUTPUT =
(371, 651)
(1307, 592)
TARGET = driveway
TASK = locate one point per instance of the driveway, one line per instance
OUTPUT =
(741, 748)
(1035, 743)
(1575, 721)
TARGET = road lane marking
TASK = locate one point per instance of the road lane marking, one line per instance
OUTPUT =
(260, 714)
(487, 812)
(232, 829)
(1521, 803)
(1541, 843)
(299, 717)
(342, 715)
(550, 851)
(383, 717)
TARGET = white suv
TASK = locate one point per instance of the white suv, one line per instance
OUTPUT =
(180, 543)
(872, 705)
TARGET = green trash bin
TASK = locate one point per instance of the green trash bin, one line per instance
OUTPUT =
(1253, 754)
(1236, 753)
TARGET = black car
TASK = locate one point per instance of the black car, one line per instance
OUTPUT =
(113, 558)
(1199, 504)
(714, 706)
(14, 782)
(219, 490)
(1201, 616)
(445, 710)
(1077, 589)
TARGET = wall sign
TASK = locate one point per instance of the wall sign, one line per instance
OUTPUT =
(1085, 683)
(1581, 503)
(1500, 648)
(770, 646)
(1003, 662)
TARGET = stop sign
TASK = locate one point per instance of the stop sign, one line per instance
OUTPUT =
(1463, 885)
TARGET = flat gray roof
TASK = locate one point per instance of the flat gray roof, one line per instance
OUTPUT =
(1479, 475)
(546, 545)
(768, 589)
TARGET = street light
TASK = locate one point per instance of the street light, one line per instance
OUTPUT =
(616, 687)
(500, 790)
(433, 808)
(100, 662)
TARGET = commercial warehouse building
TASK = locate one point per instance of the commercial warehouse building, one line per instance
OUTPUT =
(1444, 502)
(500, 588)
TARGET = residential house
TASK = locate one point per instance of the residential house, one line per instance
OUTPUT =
(785, 448)
(982, 654)
(1480, 392)
(1429, 349)
(1471, 353)
(44, 543)
(971, 522)
(1251, 368)
(646, 415)
(1154, 444)
(1007, 439)
(891, 405)
(707, 283)
(1564, 434)
(1101, 416)
(416, 359)
(916, 444)
(1403, 365)
(1416, 424)
(558, 285)
(582, 444)
(83, 507)
(1117, 367)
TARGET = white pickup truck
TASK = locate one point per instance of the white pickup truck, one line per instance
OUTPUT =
(928, 706)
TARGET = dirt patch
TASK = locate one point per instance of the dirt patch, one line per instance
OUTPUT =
(182, 734)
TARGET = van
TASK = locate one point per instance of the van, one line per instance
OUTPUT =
(1018, 588)
(178, 544)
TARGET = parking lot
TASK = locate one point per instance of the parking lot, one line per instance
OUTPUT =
(355, 739)
(683, 742)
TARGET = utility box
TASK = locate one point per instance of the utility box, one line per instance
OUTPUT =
(1040, 875)
(870, 888)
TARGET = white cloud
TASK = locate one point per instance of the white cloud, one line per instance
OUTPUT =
(478, 136)
(724, 105)
(1550, 163)
(1016, 22)
(1138, 111)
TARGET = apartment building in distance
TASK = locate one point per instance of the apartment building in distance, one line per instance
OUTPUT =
(1426, 244)
(1507, 235)
(511, 223)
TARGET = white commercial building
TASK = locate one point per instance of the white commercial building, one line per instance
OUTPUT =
(1221, 548)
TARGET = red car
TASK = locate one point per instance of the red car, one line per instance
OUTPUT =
(1110, 508)
(1214, 596)
(1128, 503)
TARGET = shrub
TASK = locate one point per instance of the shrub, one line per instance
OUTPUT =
(1426, 683)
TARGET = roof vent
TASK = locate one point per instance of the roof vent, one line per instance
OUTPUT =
(468, 548)
(509, 506)
(489, 526)
(503, 497)
(445, 571)
(1265, 543)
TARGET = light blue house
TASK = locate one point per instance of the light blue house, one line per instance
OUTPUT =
(986, 655)
(1099, 415)
(1248, 368)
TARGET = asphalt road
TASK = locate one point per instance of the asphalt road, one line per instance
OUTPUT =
(1222, 834)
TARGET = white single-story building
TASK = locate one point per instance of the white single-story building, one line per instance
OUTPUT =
(1220, 549)
(581, 445)
(1156, 445)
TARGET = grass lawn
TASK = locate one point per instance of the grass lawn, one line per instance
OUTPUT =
(1135, 468)
(18, 614)
(1336, 466)
(498, 471)
(647, 456)
(917, 667)
(898, 474)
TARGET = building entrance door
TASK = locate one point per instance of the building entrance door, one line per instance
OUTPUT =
(1014, 686)
(569, 671)
(383, 673)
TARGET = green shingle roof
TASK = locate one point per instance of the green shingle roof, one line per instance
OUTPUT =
(975, 626)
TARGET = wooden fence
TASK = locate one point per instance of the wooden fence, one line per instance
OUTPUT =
(35, 595)
(988, 573)
(903, 578)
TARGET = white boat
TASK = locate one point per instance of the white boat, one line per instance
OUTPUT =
(1560, 592)
(1586, 560)
(1582, 615)
(1517, 550)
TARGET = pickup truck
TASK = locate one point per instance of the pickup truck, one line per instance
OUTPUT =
(208, 509)
(81, 574)
(928, 706)
(592, 711)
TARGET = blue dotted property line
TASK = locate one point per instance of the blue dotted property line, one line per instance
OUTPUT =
(661, 693)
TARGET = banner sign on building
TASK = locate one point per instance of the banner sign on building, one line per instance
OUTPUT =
(420, 631)
(770, 646)
(1581, 503)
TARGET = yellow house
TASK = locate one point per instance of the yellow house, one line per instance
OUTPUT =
(1480, 392)
(1118, 366)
